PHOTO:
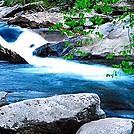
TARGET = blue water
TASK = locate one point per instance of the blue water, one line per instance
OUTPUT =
(24, 81)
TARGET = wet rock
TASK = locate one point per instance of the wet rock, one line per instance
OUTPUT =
(114, 39)
(57, 49)
(3, 98)
(108, 126)
(11, 56)
(48, 18)
(62, 114)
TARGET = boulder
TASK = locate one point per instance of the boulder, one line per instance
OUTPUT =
(48, 18)
(114, 39)
(57, 49)
(62, 114)
(2, 3)
(108, 126)
(11, 56)
(39, 19)
(6, 12)
(51, 36)
(3, 98)
(118, 7)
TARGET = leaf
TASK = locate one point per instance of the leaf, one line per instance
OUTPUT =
(115, 66)
(91, 39)
(67, 44)
(79, 42)
(84, 33)
(95, 7)
(125, 8)
(76, 29)
(110, 56)
(82, 21)
(86, 41)
(81, 14)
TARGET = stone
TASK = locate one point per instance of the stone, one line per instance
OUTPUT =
(88, 23)
(118, 7)
(11, 56)
(114, 39)
(108, 126)
(23, 22)
(2, 3)
(9, 11)
(51, 36)
(48, 19)
(3, 100)
(57, 49)
(6, 12)
(62, 114)
(40, 19)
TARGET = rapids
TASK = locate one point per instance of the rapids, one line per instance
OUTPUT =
(44, 77)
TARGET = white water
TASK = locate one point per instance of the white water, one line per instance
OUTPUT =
(53, 65)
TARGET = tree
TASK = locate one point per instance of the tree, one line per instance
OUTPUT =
(81, 7)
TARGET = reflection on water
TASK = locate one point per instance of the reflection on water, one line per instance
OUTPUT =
(24, 81)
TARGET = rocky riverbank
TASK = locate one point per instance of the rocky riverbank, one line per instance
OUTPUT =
(35, 17)
(63, 114)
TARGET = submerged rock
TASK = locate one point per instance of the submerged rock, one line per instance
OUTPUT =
(62, 114)
(3, 98)
(108, 126)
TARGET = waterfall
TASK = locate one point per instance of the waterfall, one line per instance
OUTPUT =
(24, 42)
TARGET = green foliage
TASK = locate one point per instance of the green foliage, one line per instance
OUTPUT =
(80, 8)
(114, 74)
(78, 51)
(126, 67)
(96, 20)
(87, 6)
(110, 56)
(69, 56)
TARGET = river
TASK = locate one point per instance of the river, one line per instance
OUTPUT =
(25, 81)
(44, 77)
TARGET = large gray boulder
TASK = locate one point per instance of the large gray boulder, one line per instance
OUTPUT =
(108, 126)
(62, 114)
(3, 98)
(115, 38)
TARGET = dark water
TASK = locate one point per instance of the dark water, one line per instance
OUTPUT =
(23, 82)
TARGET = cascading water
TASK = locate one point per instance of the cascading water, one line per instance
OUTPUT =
(49, 76)
(26, 41)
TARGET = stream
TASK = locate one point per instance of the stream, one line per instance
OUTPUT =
(44, 77)
(25, 81)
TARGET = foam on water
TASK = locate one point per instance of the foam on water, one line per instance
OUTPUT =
(52, 65)
(69, 68)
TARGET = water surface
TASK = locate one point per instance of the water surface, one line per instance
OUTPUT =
(24, 81)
